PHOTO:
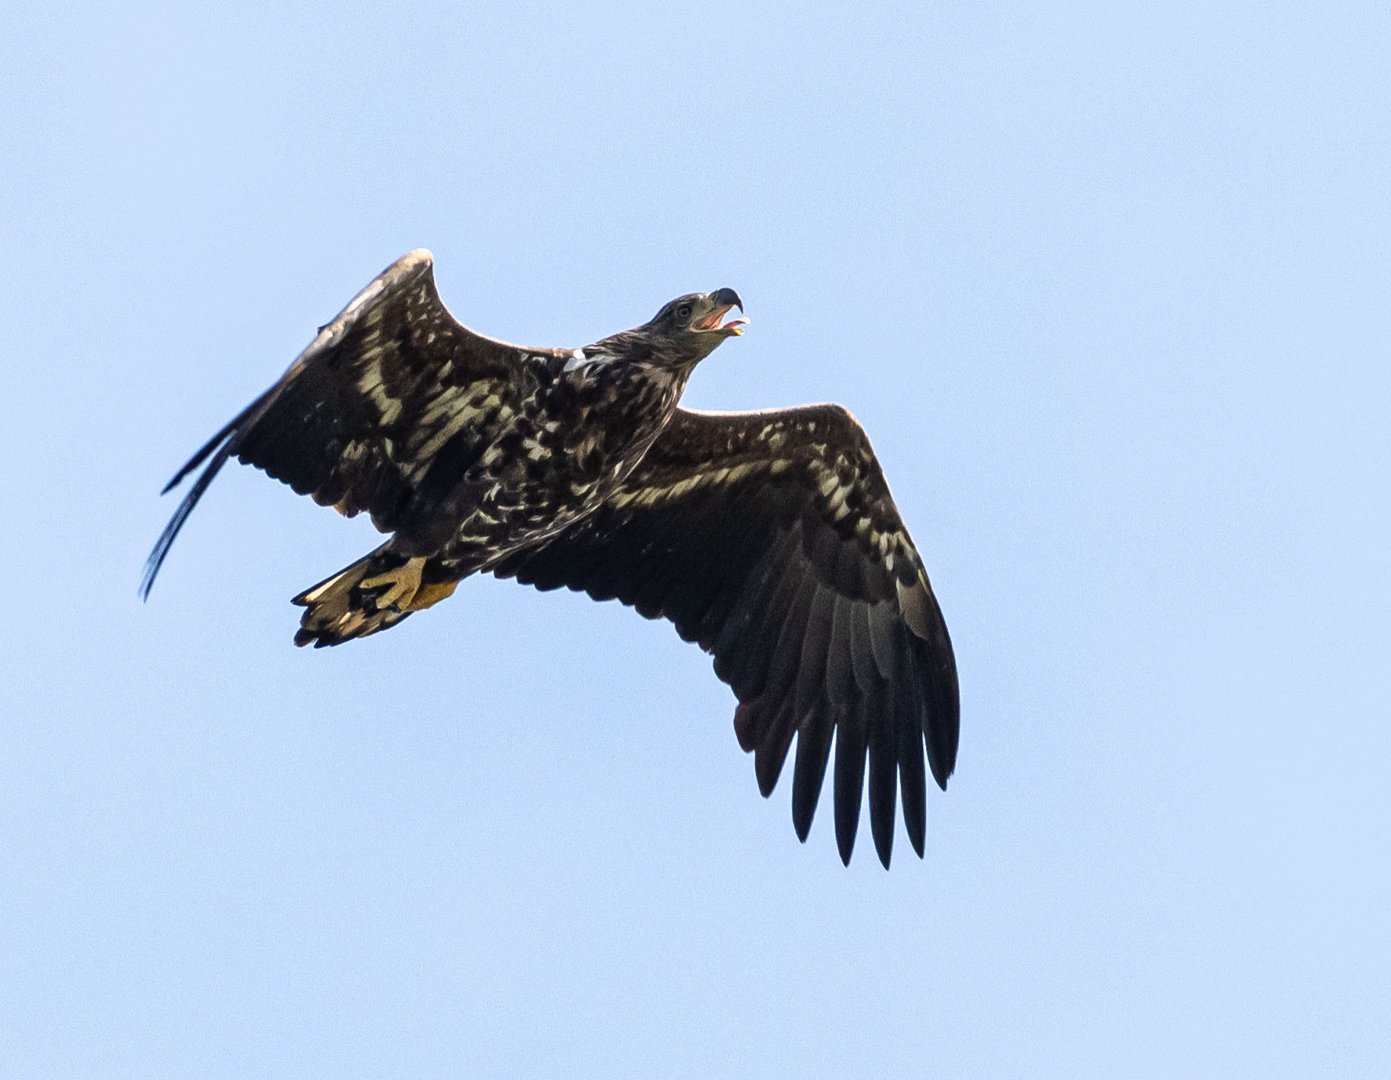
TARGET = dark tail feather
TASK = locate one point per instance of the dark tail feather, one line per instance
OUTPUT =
(341, 608)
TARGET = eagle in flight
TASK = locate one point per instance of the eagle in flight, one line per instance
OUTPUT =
(768, 538)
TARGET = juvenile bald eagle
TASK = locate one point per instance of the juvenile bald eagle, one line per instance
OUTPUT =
(768, 538)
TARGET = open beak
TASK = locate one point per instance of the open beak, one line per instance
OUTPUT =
(723, 299)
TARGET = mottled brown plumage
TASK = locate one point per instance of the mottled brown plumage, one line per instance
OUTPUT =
(768, 538)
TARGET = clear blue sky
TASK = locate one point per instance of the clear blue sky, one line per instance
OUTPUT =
(1109, 287)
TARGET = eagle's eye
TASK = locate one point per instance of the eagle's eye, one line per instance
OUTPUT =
(683, 312)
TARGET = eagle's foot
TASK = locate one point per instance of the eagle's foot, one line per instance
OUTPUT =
(400, 586)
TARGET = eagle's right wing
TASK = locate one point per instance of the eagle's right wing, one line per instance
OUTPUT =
(771, 539)
(383, 411)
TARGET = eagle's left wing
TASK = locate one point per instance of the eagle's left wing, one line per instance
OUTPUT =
(383, 412)
(771, 539)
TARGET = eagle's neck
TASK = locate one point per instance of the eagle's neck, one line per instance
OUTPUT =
(610, 408)
(649, 350)
(628, 374)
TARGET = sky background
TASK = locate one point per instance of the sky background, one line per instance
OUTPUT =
(1108, 285)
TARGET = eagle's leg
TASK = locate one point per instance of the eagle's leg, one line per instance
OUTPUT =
(430, 593)
(373, 594)
(401, 584)
(405, 590)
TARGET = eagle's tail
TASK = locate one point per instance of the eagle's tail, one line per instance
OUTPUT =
(374, 593)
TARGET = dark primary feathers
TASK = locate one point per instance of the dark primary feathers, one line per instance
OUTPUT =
(768, 538)
(771, 540)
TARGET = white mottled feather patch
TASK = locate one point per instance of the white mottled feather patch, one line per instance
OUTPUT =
(578, 360)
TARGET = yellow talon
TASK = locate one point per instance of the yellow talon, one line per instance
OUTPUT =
(402, 585)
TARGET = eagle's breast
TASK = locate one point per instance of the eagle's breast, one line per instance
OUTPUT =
(565, 449)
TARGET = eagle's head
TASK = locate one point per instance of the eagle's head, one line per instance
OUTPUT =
(688, 329)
